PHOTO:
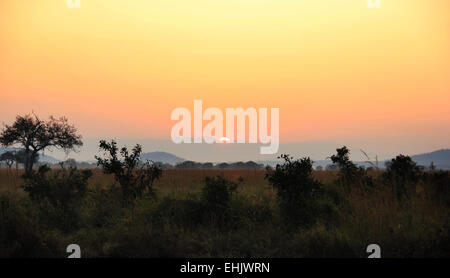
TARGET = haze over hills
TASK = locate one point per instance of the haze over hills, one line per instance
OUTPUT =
(163, 157)
(440, 158)
(42, 157)
(384, 148)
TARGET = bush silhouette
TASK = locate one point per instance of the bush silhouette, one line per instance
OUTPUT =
(19, 233)
(401, 171)
(134, 176)
(441, 183)
(297, 191)
(186, 213)
(58, 193)
(216, 195)
(349, 173)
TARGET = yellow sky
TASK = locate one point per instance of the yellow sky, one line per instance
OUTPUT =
(335, 68)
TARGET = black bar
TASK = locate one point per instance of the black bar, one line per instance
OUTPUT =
(222, 267)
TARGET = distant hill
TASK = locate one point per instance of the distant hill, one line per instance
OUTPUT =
(42, 157)
(440, 158)
(321, 163)
(3, 150)
(48, 159)
(163, 157)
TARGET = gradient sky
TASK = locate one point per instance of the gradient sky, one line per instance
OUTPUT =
(336, 69)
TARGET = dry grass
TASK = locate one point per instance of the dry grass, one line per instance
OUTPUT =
(177, 183)
(366, 215)
(10, 181)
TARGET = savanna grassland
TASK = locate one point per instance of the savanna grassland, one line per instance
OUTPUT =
(188, 216)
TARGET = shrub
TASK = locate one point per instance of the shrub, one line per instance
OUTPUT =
(18, 234)
(349, 173)
(440, 181)
(131, 240)
(297, 192)
(186, 213)
(216, 195)
(400, 172)
(135, 177)
(58, 194)
(103, 206)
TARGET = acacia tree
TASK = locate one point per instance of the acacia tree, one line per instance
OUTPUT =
(135, 177)
(34, 135)
(8, 158)
(20, 157)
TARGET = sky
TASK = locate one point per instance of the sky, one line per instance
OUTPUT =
(338, 71)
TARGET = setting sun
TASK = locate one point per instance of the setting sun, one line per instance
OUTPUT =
(248, 131)
(224, 140)
(336, 69)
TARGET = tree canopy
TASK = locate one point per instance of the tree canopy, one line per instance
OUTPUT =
(35, 134)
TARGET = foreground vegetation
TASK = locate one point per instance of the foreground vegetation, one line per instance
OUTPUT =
(289, 211)
(134, 208)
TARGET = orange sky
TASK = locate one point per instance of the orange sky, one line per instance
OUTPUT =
(335, 68)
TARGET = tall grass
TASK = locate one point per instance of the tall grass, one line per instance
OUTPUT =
(177, 224)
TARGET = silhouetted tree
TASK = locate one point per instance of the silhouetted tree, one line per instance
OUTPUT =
(9, 158)
(432, 166)
(216, 194)
(349, 173)
(342, 160)
(135, 177)
(35, 135)
(207, 165)
(20, 157)
(400, 172)
(70, 162)
(402, 168)
(222, 165)
(297, 190)
(331, 167)
(253, 165)
(189, 165)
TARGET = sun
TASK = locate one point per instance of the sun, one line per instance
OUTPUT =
(224, 140)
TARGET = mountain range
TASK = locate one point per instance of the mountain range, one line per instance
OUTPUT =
(163, 157)
(440, 158)
(42, 157)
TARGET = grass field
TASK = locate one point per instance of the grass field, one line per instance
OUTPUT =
(173, 223)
